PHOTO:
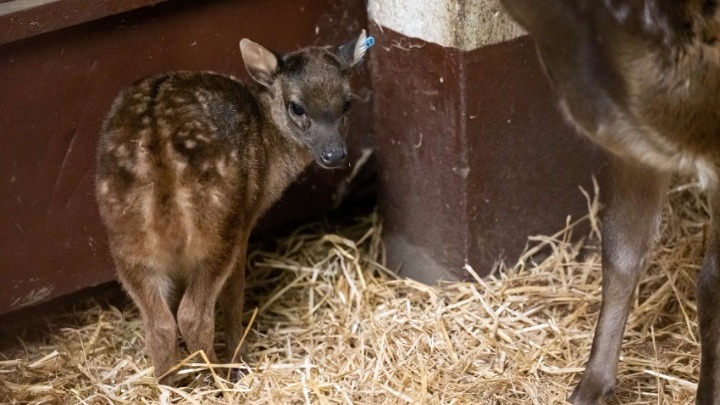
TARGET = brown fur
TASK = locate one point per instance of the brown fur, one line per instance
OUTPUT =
(642, 79)
(189, 161)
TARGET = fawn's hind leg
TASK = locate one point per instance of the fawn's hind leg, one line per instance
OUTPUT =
(149, 290)
(196, 313)
(232, 299)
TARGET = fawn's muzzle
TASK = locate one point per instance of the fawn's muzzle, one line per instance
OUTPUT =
(333, 156)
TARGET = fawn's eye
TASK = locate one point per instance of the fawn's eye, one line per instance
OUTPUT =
(346, 106)
(295, 109)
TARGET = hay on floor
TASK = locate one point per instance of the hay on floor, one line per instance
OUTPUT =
(331, 325)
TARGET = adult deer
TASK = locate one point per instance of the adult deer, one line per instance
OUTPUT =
(641, 78)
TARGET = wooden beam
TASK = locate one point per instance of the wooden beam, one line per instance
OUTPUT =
(21, 19)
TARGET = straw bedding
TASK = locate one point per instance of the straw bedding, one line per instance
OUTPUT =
(329, 324)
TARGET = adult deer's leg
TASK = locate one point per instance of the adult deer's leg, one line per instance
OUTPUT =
(231, 301)
(709, 313)
(629, 223)
(149, 290)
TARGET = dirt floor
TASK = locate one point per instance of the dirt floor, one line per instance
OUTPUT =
(329, 324)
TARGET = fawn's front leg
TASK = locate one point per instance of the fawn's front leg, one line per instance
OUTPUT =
(708, 295)
(149, 289)
(196, 312)
(629, 223)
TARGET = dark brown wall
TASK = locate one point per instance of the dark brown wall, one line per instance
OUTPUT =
(529, 163)
(56, 87)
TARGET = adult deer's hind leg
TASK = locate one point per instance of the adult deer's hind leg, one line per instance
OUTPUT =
(629, 223)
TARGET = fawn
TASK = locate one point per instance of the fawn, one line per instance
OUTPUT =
(188, 162)
(640, 78)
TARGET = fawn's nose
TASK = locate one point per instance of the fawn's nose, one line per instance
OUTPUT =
(333, 157)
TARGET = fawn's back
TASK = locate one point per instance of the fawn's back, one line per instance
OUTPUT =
(170, 174)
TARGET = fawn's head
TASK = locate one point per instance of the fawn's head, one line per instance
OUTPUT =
(310, 93)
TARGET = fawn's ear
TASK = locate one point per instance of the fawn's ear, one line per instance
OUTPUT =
(352, 53)
(261, 64)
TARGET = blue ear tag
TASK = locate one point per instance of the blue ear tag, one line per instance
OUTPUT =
(370, 41)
